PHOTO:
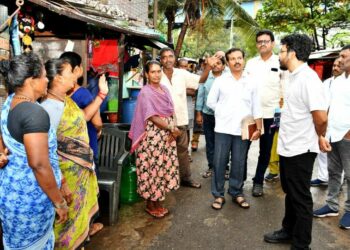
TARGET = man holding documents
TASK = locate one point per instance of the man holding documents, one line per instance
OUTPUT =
(233, 97)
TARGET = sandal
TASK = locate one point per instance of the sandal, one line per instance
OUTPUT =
(156, 213)
(191, 183)
(207, 173)
(163, 210)
(241, 201)
(218, 203)
(194, 146)
(95, 228)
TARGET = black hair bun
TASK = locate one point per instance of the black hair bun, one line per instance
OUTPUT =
(4, 67)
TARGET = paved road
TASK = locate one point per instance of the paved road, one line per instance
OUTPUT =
(193, 224)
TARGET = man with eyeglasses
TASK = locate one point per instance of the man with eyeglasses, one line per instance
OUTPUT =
(266, 71)
(303, 122)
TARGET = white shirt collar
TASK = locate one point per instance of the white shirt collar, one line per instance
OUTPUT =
(298, 69)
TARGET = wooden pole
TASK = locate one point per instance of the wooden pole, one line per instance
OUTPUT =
(121, 52)
(155, 17)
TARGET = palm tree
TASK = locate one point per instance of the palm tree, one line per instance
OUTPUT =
(197, 12)
(170, 8)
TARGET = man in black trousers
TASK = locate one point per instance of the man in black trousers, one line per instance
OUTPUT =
(303, 120)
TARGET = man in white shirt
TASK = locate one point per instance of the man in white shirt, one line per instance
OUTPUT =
(337, 140)
(182, 63)
(322, 173)
(266, 71)
(232, 97)
(177, 81)
(303, 120)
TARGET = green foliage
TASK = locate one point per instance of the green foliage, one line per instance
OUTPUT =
(245, 39)
(208, 30)
(340, 39)
(314, 17)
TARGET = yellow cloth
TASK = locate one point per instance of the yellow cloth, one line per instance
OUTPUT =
(274, 158)
(81, 181)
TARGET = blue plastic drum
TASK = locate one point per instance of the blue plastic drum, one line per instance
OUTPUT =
(134, 92)
(129, 106)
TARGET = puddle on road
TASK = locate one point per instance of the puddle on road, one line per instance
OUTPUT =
(135, 229)
(217, 220)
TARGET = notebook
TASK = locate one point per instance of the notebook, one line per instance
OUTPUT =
(249, 127)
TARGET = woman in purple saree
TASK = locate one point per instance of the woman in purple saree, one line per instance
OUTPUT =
(153, 137)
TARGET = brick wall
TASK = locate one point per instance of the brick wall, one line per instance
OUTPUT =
(133, 8)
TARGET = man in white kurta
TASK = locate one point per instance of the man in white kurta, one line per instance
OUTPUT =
(177, 81)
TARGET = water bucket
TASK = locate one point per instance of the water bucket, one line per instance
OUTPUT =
(112, 116)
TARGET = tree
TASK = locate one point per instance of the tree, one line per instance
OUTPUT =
(198, 13)
(170, 8)
(316, 17)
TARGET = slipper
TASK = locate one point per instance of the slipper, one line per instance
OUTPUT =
(241, 201)
(191, 183)
(155, 213)
(207, 173)
(95, 228)
(218, 203)
(194, 146)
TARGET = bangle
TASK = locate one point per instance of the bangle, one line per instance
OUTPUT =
(101, 95)
(61, 205)
(171, 128)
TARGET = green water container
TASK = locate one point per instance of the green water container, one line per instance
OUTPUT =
(112, 105)
(128, 188)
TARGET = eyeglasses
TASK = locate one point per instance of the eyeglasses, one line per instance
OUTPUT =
(261, 42)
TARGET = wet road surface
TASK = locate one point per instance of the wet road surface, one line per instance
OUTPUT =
(193, 224)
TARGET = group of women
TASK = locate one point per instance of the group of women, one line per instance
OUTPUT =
(46, 163)
(48, 185)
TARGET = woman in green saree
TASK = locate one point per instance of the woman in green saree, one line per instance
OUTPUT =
(75, 155)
